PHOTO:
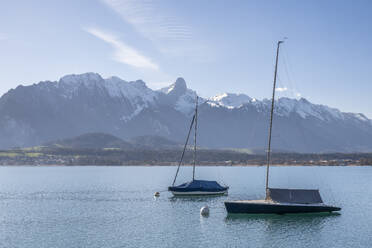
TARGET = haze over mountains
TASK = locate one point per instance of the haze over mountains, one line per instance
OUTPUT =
(107, 142)
(87, 103)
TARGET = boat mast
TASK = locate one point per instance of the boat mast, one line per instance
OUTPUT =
(196, 127)
(271, 121)
(184, 149)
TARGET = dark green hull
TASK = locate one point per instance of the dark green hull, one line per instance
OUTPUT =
(238, 207)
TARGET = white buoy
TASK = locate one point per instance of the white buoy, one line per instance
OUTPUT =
(157, 194)
(204, 211)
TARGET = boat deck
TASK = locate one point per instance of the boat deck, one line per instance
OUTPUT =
(255, 201)
(268, 202)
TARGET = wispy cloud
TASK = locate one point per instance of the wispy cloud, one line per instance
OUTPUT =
(289, 92)
(123, 53)
(171, 35)
(281, 89)
(150, 20)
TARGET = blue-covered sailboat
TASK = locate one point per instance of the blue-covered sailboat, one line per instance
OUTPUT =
(195, 187)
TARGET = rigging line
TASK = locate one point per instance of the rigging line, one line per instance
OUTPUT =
(286, 91)
(205, 102)
(279, 84)
(184, 149)
(296, 93)
(287, 67)
(285, 63)
(195, 131)
(253, 128)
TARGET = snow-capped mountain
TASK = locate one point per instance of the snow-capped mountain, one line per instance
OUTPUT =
(86, 103)
(182, 98)
(230, 100)
(135, 94)
(284, 107)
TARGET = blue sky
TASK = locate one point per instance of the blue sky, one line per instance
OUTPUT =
(217, 46)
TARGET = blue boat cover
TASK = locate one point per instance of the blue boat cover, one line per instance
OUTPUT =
(198, 185)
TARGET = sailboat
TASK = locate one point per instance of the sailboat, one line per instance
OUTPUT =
(280, 201)
(195, 187)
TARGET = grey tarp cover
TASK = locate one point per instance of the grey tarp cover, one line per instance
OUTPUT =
(302, 196)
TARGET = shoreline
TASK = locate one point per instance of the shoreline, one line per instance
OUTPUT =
(91, 157)
(170, 165)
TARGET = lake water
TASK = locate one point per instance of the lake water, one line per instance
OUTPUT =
(114, 207)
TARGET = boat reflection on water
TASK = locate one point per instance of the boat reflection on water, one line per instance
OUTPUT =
(309, 217)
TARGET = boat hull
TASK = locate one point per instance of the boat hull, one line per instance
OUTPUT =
(247, 207)
(199, 193)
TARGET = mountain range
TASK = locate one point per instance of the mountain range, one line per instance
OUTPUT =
(87, 103)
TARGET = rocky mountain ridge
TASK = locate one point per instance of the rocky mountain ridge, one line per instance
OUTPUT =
(86, 103)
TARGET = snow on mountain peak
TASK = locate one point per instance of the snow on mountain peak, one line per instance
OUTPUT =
(88, 77)
(231, 100)
(132, 90)
(178, 88)
(361, 117)
(140, 84)
(186, 102)
(70, 84)
(285, 106)
(139, 95)
(136, 93)
(182, 97)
